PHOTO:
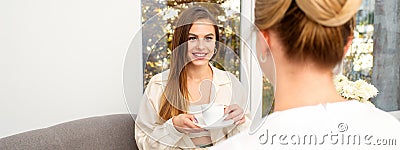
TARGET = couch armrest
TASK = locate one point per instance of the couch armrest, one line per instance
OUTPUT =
(103, 132)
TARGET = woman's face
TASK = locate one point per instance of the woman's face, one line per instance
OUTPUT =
(201, 42)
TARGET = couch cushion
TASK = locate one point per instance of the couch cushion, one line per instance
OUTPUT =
(104, 132)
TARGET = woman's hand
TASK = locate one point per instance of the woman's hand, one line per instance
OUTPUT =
(236, 113)
(184, 123)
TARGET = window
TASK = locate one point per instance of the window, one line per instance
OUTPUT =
(359, 60)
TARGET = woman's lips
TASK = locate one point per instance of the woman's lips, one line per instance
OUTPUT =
(200, 56)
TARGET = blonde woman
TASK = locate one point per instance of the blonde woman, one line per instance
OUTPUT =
(166, 117)
(307, 39)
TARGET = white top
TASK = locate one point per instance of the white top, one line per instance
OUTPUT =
(341, 125)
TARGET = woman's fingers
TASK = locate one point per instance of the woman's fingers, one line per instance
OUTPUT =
(185, 123)
(191, 127)
(241, 121)
(233, 115)
(238, 117)
(189, 124)
(234, 112)
(231, 108)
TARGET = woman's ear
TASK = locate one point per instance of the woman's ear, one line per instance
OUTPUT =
(266, 36)
(348, 45)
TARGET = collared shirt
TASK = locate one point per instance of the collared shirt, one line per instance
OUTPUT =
(151, 135)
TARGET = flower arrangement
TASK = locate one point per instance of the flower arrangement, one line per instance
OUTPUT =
(358, 90)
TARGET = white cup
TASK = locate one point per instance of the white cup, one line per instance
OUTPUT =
(213, 113)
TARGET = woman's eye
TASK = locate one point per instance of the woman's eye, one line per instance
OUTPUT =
(209, 38)
(192, 38)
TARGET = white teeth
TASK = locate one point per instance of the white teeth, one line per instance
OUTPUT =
(199, 54)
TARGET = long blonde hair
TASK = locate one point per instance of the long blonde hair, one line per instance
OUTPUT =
(174, 100)
(310, 30)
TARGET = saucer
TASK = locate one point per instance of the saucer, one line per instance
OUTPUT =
(221, 123)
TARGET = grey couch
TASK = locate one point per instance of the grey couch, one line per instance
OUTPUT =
(104, 132)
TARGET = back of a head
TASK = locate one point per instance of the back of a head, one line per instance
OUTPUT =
(309, 30)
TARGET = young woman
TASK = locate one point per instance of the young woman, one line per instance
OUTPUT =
(307, 39)
(167, 116)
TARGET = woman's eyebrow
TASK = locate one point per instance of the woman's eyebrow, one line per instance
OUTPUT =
(209, 34)
(192, 34)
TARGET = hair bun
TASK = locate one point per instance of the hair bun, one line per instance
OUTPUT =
(329, 12)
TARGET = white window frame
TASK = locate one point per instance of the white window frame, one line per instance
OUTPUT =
(248, 57)
(133, 69)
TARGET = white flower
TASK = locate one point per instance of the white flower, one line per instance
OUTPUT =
(340, 81)
(340, 78)
(356, 67)
(349, 91)
(372, 90)
(358, 90)
(362, 95)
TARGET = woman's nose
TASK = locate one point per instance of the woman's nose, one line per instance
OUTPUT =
(201, 44)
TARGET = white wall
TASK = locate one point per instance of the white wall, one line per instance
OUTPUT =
(62, 60)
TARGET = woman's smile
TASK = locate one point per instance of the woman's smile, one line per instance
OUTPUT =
(200, 55)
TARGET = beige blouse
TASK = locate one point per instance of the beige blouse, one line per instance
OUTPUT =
(151, 135)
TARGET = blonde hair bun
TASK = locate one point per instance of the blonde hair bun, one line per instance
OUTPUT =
(329, 13)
